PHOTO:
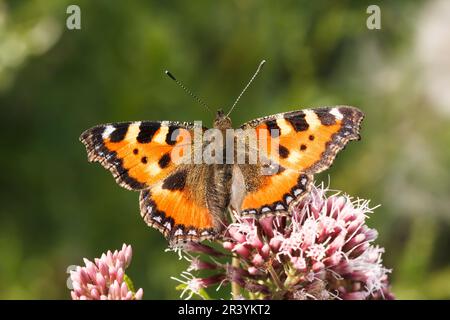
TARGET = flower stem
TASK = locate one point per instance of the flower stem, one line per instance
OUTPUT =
(275, 278)
(235, 287)
(235, 263)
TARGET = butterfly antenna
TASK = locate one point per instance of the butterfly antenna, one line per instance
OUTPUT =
(246, 87)
(189, 92)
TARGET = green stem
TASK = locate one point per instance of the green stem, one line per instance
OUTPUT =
(275, 278)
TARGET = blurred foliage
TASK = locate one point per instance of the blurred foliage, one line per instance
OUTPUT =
(55, 83)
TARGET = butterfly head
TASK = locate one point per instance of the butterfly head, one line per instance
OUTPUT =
(222, 121)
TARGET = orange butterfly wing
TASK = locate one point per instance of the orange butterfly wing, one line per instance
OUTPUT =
(306, 142)
(138, 154)
(141, 156)
(177, 207)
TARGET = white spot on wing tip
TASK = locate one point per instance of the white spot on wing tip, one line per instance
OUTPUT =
(107, 132)
(335, 112)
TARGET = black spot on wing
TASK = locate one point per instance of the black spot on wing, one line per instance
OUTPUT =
(297, 120)
(164, 161)
(325, 117)
(119, 132)
(274, 129)
(147, 131)
(284, 152)
(172, 134)
(175, 181)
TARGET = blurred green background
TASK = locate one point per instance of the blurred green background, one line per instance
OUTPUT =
(54, 83)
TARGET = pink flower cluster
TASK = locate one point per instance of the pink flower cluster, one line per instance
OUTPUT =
(105, 279)
(322, 250)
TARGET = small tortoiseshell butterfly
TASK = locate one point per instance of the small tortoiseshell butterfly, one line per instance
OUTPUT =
(188, 201)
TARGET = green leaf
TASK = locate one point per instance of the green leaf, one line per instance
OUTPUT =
(129, 283)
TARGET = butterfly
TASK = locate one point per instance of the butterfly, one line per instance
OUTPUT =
(187, 201)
